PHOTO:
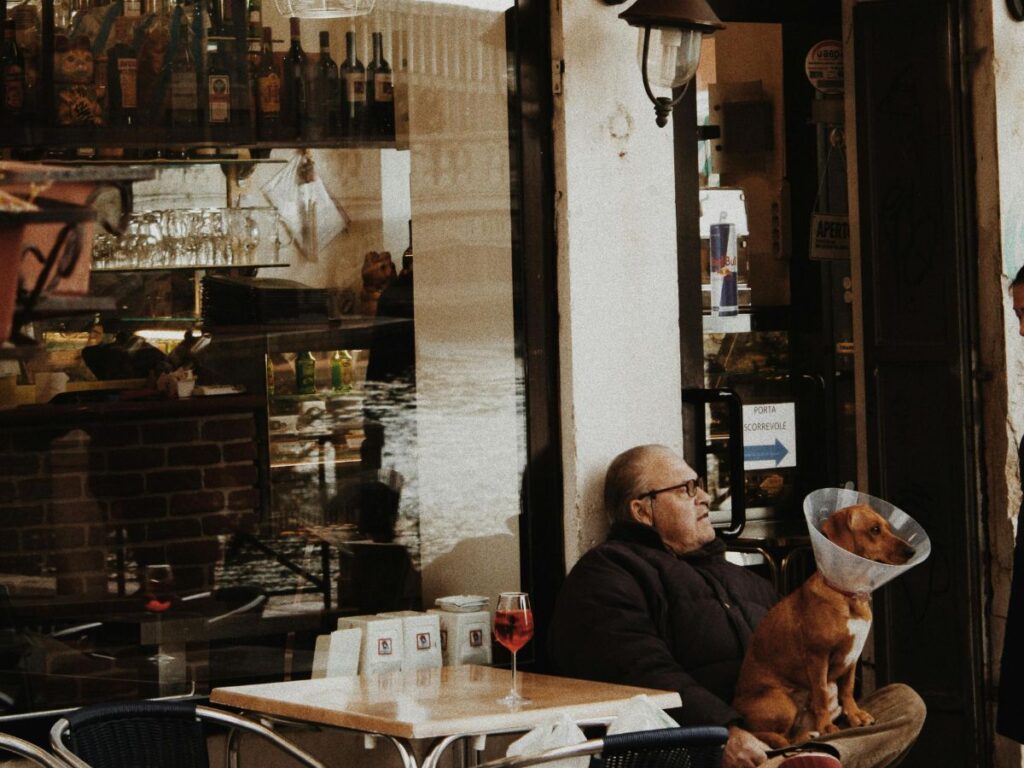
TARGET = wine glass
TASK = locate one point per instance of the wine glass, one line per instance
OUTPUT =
(513, 628)
(158, 597)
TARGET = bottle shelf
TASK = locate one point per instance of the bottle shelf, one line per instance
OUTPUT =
(160, 139)
(327, 394)
(192, 267)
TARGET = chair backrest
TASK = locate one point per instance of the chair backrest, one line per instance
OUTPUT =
(687, 747)
(138, 734)
(29, 751)
(694, 747)
(151, 734)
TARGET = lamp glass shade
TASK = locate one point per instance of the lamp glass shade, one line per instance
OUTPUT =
(672, 57)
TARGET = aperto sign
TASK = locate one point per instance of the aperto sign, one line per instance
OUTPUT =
(824, 66)
(830, 236)
(769, 436)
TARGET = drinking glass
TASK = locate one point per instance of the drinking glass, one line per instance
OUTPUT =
(513, 628)
(158, 596)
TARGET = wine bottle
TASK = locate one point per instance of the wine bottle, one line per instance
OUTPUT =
(197, 49)
(380, 96)
(352, 77)
(12, 64)
(184, 101)
(218, 91)
(326, 94)
(293, 86)
(268, 92)
(255, 13)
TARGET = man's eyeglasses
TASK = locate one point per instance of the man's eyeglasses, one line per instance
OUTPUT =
(690, 486)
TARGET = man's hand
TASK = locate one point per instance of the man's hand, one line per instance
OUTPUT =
(743, 749)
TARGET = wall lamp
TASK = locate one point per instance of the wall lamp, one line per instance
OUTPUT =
(669, 45)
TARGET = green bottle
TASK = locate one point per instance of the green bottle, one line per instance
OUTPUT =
(342, 371)
(305, 373)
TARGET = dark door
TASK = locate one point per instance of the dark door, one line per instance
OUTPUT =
(913, 171)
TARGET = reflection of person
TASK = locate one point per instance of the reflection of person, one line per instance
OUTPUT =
(658, 605)
(1011, 674)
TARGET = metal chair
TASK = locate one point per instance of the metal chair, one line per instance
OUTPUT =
(693, 747)
(29, 751)
(151, 734)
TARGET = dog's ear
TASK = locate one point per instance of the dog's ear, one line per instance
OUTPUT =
(838, 528)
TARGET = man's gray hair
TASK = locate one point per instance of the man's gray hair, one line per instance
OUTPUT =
(626, 479)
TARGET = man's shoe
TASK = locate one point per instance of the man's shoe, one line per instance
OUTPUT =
(811, 760)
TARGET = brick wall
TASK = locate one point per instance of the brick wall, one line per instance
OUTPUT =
(151, 490)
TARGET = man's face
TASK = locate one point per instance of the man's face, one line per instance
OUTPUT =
(683, 521)
(1017, 292)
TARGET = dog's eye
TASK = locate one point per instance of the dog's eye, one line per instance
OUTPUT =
(876, 529)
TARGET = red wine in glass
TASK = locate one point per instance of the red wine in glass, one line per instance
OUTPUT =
(158, 597)
(513, 628)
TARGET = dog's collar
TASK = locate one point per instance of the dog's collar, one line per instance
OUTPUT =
(866, 595)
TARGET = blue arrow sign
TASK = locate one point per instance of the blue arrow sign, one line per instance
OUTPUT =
(776, 452)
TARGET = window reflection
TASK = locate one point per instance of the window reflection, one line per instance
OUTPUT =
(278, 511)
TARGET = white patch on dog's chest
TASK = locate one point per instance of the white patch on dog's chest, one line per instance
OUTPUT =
(858, 629)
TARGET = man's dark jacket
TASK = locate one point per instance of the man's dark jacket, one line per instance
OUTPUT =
(1009, 721)
(632, 612)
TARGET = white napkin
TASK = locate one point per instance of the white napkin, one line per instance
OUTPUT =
(638, 714)
(558, 732)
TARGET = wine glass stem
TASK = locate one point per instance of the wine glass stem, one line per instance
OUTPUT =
(515, 690)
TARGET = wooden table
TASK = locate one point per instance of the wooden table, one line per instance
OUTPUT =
(424, 711)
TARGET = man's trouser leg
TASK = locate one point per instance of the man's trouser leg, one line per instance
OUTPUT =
(899, 716)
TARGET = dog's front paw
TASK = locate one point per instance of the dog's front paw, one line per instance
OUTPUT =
(858, 717)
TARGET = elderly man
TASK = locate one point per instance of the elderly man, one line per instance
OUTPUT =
(658, 605)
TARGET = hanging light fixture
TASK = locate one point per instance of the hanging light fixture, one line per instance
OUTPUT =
(669, 44)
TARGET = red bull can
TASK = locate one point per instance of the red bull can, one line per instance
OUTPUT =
(724, 292)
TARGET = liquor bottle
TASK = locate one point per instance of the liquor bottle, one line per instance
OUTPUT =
(293, 86)
(255, 13)
(154, 40)
(184, 100)
(122, 82)
(27, 35)
(270, 375)
(352, 75)
(305, 373)
(218, 91)
(380, 95)
(268, 92)
(325, 94)
(12, 65)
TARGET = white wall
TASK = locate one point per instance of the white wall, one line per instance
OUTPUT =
(617, 281)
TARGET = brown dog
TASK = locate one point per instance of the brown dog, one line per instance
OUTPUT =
(813, 637)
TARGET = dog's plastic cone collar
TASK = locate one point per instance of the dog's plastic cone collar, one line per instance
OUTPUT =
(846, 570)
